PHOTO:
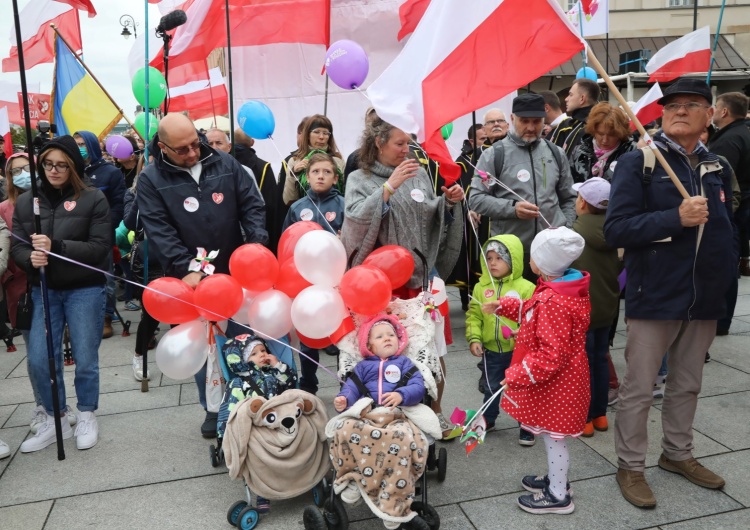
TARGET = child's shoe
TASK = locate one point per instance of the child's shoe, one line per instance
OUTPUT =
(9, 344)
(600, 423)
(351, 494)
(545, 502)
(263, 505)
(526, 438)
(391, 525)
(537, 483)
(588, 430)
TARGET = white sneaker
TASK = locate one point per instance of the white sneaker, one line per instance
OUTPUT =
(138, 368)
(391, 525)
(45, 435)
(4, 450)
(87, 431)
(38, 417)
(351, 493)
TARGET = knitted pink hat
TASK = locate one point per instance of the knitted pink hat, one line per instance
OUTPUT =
(364, 333)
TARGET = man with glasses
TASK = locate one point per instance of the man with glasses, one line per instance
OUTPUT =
(495, 127)
(195, 196)
(680, 255)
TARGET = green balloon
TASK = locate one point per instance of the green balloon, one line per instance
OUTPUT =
(157, 87)
(446, 130)
(140, 125)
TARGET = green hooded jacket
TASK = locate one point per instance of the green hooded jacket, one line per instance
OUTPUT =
(487, 328)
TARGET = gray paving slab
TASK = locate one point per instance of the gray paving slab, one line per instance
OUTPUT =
(726, 418)
(13, 437)
(676, 499)
(732, 350)
(743, 304)
(733, 468)
(27, 516)
(5, 412)
(15, 390)
(451, 517)
(736, 520)
(11, 361)
(719, 378)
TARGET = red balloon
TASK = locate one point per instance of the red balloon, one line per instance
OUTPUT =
(172, 303)
(317, 344)
(218, 297)
(290, 281)
(396, 262)
(346, 327)
(365, 289)
(254, 266)
(291, 235)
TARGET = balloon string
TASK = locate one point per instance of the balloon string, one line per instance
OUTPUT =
(300, 184)
(146, 287)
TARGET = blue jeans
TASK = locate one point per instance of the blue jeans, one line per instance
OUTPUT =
(597, 345)
(83, 310)
(34, 389)
(495, 366)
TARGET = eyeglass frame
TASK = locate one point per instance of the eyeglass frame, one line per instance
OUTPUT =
(322, 132)
(27, 167)
(499, 121)
(188, 147)
(688, 106)
(56, 167)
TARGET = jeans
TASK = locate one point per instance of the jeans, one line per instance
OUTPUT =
(597, 344)
(83, 310)
(125, 266)
(309, 380)
(495, 366)
(34, 389)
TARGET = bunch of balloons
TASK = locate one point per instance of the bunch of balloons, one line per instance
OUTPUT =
(154, 96)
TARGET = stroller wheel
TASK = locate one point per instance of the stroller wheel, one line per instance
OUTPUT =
(335, 515)
(233, 514)
(213, 455)
(427, 513)
(247, 519)
(313, 519)
(319, 493)
(442, 464)
(416, 524)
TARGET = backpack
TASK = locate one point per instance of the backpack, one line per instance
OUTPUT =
(500, 156)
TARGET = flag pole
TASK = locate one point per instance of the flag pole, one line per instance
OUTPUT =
(38, 228)
(716, 42)
(119, 109)
(659, 156)
(229, 77)
(146, 124)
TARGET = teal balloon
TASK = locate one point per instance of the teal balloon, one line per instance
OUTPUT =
(446, 130)
(157, 87)
(256, 120)
(587, 73)
(140, 125)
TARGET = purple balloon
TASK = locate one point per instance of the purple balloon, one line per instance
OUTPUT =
(119, 146)
(347, 64)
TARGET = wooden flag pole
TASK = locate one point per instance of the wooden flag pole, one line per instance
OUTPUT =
(649, 142)
(119, 109)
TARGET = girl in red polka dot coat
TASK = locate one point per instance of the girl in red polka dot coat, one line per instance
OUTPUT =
(548, 387)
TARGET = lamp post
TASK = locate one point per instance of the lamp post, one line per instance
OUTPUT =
(126, 21)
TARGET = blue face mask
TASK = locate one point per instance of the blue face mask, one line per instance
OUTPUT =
(23, 180)
(84, 152)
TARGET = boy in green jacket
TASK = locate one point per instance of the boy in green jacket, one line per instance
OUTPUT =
(489, 336)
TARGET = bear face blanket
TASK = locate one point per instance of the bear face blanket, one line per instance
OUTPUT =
(381, 453)
(278, 445)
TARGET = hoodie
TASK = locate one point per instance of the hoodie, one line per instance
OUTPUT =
(104, 176)
(487, 329)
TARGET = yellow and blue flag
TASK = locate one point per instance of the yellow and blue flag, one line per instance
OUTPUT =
(80, 104)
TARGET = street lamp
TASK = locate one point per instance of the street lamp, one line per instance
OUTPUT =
(128, 23)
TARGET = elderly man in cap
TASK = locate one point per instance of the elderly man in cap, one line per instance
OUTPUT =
(680, 257)
(536, 183)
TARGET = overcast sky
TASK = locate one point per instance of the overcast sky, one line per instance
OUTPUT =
(105, 51)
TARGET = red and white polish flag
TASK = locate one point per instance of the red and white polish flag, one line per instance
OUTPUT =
(202, 93)
(9, 98)
(458, 60)
(647, 109)
(690, 53)
(83, 5)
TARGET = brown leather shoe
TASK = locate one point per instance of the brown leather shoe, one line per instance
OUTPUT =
(107, 332)
(692, 470)
(635, 489)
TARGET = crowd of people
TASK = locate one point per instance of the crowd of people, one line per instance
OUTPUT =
(553, 221)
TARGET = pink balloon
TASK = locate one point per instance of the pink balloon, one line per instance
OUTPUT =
(320, 258)
(270, 314)
(317, 311)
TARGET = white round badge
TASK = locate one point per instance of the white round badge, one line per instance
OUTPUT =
(393, 374)
(191, 204)
(523, 175)
(417, 195)
(613, 165)
(306, 214)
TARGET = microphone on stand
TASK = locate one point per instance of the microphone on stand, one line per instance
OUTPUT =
(170, 21)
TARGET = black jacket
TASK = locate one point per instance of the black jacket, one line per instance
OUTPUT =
(80, 229)
(571, 130)
(733, 143)
(582, 159)
(180, 215)
(105, 176)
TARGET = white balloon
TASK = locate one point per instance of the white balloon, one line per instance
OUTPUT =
(320, 258)
(317, 311)
(438, 291)
(270, 314)
(241, 317)
(183, 350)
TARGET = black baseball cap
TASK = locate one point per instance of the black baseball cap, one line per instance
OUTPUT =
(529, 106)
(686, 85)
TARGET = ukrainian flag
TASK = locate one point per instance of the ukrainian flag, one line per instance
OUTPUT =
(80, 104)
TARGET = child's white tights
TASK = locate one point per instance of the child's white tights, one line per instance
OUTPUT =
(557, 464)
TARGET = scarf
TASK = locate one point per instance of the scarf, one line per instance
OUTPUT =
(601, 158)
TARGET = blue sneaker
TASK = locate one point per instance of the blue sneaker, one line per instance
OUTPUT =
(545, 502)
(115, 318)
(537, 483)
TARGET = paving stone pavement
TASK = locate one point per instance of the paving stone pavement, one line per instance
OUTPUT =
(151, 467)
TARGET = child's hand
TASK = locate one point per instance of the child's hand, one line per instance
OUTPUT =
(476, 349)
(490, 307)
(339, 403)
(392, 399)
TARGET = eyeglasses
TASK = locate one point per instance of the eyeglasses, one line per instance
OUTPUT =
(60, 167)
(690, 106)
(182, 151)
(321, 132)
(493, 122)
(18, 170)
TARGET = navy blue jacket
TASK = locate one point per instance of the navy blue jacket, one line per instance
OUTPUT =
(180, 215)
(330, 204)
(669, 277)
(105, 176)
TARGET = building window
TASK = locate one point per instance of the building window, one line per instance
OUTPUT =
(679, 3)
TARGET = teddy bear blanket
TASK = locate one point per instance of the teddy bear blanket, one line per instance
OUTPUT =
(279, 445)
(383, 453)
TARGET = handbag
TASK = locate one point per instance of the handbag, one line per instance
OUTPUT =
(25, 310)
